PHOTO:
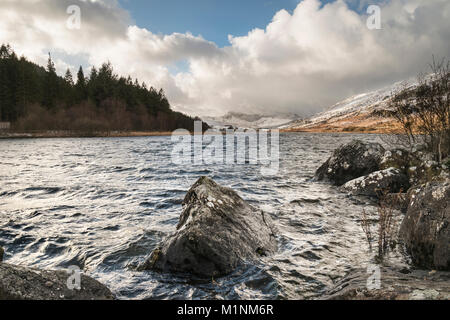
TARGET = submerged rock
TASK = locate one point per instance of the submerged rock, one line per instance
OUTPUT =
(2, 252)
(216, 232)
(425, 228)
(20, 283)
(394, 284)
(378, 184)
(351, 161)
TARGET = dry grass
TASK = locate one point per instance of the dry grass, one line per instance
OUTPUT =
(365, 223)
(353, 123)
(386, 226)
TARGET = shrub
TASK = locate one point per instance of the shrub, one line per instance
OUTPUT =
(386, 227)
(424, 112)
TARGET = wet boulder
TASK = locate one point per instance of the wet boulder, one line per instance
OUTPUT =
(216, 232)
(425, 228)
(351, 161)
(378, 183)
(2, 252)
(20, 283)
(426, 171)
(396, 158)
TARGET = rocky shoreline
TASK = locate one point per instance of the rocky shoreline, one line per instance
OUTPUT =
(360, 168)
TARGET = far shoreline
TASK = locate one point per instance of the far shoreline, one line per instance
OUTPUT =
(64, 134)
(134, 134)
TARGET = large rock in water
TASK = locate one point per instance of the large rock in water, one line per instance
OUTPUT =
(425, 228)
(217, 231)
(351, 161)
(20, 283)
(378, 183)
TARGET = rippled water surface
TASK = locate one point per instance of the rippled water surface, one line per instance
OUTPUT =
(105, 203)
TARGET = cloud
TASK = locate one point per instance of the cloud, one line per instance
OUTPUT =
(35, 27)
(300, 63)
(317, 55)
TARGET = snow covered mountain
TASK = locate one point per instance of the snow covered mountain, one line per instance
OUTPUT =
(354, 113)
(246, 121)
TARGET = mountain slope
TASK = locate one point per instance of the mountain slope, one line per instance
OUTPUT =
(357, 113)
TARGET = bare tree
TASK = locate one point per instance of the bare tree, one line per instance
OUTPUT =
(424, 112)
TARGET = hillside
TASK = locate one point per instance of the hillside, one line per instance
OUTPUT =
(358, 113)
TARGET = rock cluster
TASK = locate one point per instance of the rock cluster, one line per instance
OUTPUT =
(367, 169)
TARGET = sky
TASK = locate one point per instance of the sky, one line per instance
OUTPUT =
(212, 19)
(255, 56)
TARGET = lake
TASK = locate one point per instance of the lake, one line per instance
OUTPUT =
(104, 204)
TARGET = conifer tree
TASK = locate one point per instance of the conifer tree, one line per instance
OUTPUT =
(68, 77)
(51, 84)
(81, 87)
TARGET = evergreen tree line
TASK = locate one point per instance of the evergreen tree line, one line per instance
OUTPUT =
(34, 98)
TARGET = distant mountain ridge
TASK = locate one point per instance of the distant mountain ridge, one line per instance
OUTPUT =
(358, 113)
